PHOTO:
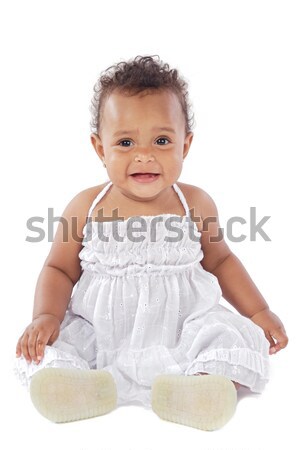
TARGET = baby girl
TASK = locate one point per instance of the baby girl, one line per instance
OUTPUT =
(126, 308)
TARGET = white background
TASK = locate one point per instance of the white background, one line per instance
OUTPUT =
(241, 61)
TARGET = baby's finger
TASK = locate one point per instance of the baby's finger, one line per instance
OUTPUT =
(54, 336)
(18, 347)
(280, 336)
(32, 343)
(41, 343)
(24, 347)
(274, 349)
(270, 339)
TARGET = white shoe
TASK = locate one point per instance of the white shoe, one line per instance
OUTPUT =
(205, 402)
(65, 395)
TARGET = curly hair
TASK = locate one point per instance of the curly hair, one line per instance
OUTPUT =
(131, 77)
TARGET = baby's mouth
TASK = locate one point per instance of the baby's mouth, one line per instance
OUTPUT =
(143, 173)
(145, 176)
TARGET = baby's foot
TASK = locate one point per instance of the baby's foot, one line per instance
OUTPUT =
(65, 395)
(206, 403)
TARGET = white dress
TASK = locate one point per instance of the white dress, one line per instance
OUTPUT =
(145, 306)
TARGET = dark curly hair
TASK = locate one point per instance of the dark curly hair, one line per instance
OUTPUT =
(137, 75)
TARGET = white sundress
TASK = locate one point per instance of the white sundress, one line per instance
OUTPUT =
(145, 306)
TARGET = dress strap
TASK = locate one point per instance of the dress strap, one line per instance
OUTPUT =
(107, 187)
(99, 197)
(182, 198)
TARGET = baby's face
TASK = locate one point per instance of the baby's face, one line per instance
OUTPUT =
(142, 133)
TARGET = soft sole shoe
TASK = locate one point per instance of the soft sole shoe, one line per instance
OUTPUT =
(205, 402)
(66, 395)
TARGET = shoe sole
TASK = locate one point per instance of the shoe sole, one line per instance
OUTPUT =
(205, 402)
(65, 395)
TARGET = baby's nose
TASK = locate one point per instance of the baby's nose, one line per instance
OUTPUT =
(144, 157)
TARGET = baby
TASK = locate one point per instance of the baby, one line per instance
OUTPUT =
(126, 307)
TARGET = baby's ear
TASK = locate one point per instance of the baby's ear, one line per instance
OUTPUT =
(187, 144)
(97, 144)
(95, 139)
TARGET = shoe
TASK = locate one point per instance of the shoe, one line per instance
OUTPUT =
(205, 402)
(66, 395)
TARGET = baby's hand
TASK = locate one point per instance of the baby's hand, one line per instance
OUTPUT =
(273, 329)
(42, 331)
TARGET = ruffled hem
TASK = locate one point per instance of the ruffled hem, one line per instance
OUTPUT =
(53, 357)
(244, 366)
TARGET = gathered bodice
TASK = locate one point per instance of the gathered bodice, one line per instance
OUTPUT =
(141, 244)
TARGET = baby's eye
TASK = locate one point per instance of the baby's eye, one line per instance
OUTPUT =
(127, 141)
(163, 139)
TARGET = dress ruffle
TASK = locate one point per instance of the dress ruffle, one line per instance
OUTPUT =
(116, 248)
(53, 357)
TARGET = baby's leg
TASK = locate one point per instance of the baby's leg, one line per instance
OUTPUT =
(206, 403)
(65, 395)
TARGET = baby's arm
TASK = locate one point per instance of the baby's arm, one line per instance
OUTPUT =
(236, 285)
(58, 276)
